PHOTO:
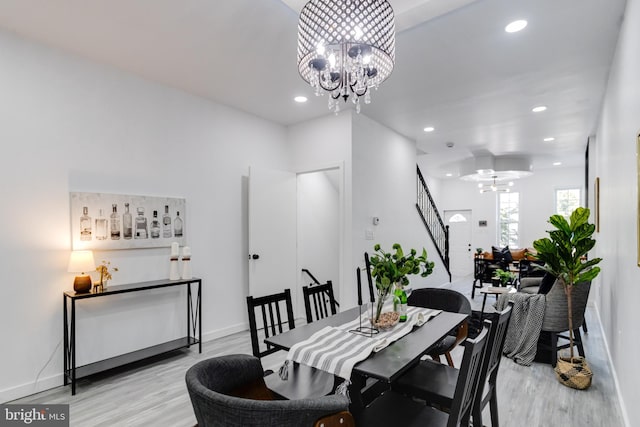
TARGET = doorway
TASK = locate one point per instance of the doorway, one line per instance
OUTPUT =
(295, 222)
(318, 230)
(460, 251)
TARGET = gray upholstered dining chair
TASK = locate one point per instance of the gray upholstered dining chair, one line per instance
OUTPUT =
(229, 391)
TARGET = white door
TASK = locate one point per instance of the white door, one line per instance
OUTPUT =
(272, 232)
(460, 251)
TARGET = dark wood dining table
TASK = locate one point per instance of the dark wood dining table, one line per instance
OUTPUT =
(389, 363)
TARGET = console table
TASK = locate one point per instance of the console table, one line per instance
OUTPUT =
(72, 373)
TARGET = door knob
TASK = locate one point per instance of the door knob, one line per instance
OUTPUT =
(255, 256)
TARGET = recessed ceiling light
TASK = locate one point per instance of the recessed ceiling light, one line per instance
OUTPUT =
(516, 26)
(539, 109)
(449, 174)
(557, 163)
(549, 139)
(300, 99)
(429, 129)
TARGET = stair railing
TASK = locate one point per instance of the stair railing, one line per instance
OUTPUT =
(433, 222)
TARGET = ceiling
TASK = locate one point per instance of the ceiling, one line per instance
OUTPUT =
(456, 68)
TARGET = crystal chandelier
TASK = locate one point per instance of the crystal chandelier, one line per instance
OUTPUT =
(346, 48)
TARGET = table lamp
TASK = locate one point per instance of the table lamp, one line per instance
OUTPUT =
(81, 262)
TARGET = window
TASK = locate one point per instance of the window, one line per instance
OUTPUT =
(567, 200)
(508, 218)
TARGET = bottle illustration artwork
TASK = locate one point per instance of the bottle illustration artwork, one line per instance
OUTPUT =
(115, 223)
(155, 226)
(101, 227)
(166, 222)
(177, 225)
(127, 224)
(85, 225)
(141, 225)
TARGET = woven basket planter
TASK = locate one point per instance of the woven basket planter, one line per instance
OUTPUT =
(574, 373)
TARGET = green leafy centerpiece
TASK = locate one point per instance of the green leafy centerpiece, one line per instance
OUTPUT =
(392, 268)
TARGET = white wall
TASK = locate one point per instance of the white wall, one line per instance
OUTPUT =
(617, 289)
(537, 203)
(71, 125)
(384, 186)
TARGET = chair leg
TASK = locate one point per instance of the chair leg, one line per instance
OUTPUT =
(477, 415)
(436, 358)
(577, 338)
(493, 406)
(584, 326)
(447, 355)
(554, 348)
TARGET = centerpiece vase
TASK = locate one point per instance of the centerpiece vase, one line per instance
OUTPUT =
(382, 299)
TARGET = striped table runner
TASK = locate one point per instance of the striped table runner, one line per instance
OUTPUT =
(336, 350)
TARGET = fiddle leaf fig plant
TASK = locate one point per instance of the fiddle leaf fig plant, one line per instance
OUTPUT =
(564, 254)
(389, 268)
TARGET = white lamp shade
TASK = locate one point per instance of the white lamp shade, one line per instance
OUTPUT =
(81, 262)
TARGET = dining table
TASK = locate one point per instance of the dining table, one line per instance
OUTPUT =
(385, 365)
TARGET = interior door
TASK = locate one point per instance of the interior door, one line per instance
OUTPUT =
(272, 232)
(460, 251)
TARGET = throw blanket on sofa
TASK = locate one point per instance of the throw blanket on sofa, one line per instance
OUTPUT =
(524, 327)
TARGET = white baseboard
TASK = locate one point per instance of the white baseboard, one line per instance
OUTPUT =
(27, 389)
(623, 408)
(219, 333)
(17, 392)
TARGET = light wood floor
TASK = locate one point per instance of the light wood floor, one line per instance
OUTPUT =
(155, 394)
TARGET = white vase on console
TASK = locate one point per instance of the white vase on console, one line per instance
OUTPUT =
(186, 263)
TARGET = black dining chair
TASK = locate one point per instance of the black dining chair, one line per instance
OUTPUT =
(435, 383)
(396, 409)
(446, 300)
(276, 316)
(319, 301)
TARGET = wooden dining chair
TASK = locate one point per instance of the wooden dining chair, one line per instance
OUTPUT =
(319, 301)
(446, 300)
(275, 314)
(436, 383)
(396, 409)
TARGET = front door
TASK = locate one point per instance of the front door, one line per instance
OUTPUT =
(460, 252)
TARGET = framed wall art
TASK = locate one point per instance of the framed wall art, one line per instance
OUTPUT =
(101, 221)
(596, 203)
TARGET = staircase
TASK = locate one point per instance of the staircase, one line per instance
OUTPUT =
(432, 221)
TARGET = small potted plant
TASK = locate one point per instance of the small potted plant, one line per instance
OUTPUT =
(504, 277)
(391, 269)
(564, 256)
